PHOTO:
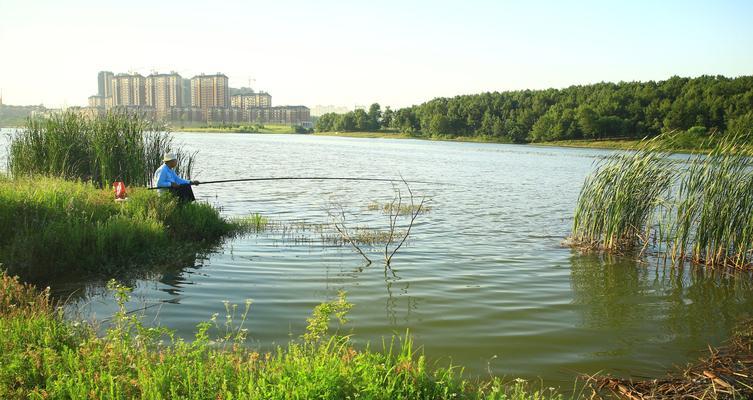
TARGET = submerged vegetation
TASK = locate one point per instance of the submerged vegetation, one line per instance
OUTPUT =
(698, 209)
(46, 356)
(391, 208)
(114, 147)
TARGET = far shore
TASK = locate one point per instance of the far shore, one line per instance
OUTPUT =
(610, 144)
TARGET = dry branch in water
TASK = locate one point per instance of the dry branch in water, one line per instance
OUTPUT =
(395, 234)
(394, 213)
(339, 225)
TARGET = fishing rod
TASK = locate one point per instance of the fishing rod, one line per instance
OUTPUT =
(310, 178)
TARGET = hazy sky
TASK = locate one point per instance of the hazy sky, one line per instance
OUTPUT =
(357, 52)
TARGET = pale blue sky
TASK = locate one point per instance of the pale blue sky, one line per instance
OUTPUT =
(356, 52)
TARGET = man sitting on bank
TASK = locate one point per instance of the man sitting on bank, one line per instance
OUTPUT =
(166, 179)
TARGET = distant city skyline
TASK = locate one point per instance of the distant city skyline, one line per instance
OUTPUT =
(393, 53)
(204, 98)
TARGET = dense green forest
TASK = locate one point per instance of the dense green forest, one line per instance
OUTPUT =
(597, 111)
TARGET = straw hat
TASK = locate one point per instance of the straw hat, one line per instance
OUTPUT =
(169, 157)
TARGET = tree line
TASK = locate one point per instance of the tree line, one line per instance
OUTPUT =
(596, 111)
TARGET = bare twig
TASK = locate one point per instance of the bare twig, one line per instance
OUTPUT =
(393, 235)
(343, 231)
(415, 211)
(393, 219)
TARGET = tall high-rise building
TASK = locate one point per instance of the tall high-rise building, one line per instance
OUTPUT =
(164, 91)
(249, 100)
(186, 92)
(128, 90)
(104, 81)
(210, 91)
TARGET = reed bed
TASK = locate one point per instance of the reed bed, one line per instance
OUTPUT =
(46, 356)
(105, 149)
(712, 222)
(619, 200)
(699, 209)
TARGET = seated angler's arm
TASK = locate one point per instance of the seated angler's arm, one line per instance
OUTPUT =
(163, 180)
(182, 181)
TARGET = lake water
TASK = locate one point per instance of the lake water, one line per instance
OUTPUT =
(483, 280)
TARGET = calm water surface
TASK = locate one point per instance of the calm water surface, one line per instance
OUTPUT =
(483, 281)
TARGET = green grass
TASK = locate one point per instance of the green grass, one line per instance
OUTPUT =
(392, 134)
(277, 128)
(52, 226)
(370, 135)
(701, 210)
(251, 224)
(102, 150)
(255, 128)
(616, 144)
(46, 356)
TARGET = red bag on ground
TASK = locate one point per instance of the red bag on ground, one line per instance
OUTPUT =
(120, 190)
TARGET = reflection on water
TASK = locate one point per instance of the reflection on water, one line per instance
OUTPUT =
(689, 301)
(172, 279)
(483, 282)
(652, 310)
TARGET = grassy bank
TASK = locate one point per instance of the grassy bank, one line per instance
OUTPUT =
(50, 226)
(622, 144)
(266, 128)
(693, 140)
(45, 356)
(369, 135)
(391, 134)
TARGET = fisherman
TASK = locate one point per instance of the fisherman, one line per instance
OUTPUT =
(166, 179)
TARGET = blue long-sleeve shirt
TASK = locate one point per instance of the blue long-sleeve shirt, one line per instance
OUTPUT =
(164, 177)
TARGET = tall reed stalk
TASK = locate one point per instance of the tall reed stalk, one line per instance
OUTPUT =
(102, 150)
(708, 219)
(618, 200)
(712, 222)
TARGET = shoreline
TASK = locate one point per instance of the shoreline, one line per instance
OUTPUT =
(604, 144)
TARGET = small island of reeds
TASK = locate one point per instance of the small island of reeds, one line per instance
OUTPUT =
(696, 208)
